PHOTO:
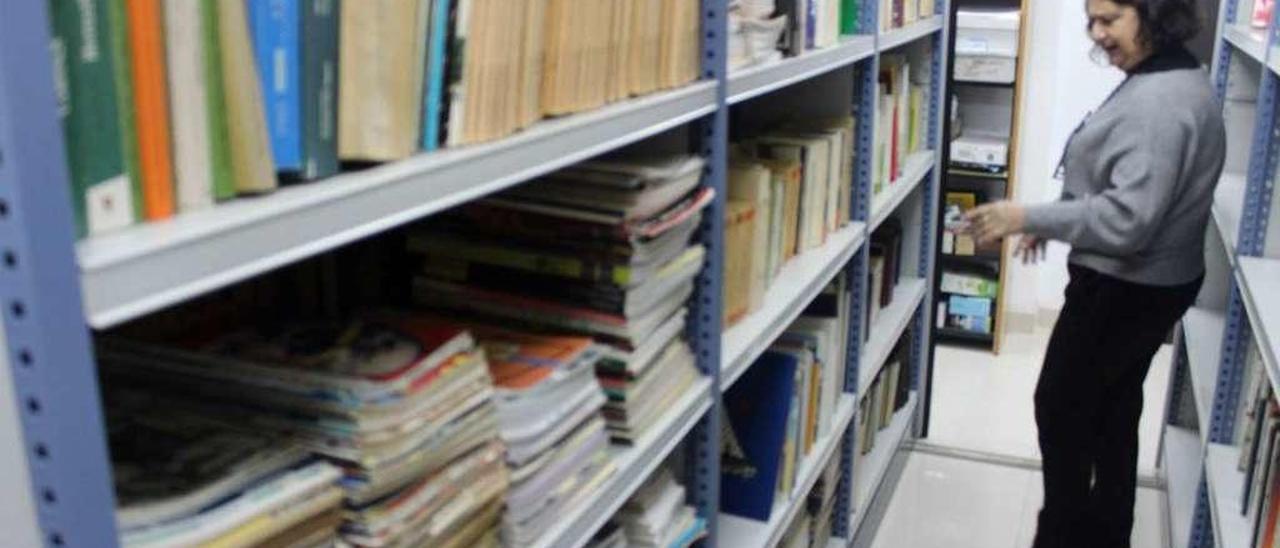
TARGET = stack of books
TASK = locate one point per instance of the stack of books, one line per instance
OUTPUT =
(789, 189)
(182, 479)
(193, 103)
(402, 402)
(549, 410)
(902, 119)
(969, 300)
(782, 406)
(657, 516)
(755, 29)
(1259, 440)
(602, 250)
(884, 269)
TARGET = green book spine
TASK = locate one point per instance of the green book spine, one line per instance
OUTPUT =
(224, 186)
(849, 17)
(124, 101)
(319, 88)
(85, 72)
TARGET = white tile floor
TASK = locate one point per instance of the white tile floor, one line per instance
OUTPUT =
(958, 503)
(984, 403)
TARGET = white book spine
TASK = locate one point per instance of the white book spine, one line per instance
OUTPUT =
(184, 47)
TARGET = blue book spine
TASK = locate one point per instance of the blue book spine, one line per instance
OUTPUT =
(277, 41)
(434, 89)
(811, 22)
(970, 306)
(758, 408)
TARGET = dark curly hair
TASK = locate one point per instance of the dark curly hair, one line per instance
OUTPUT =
(1165, 23)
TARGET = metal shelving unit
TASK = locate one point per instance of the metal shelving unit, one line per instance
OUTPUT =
(1239, 307)
(53, 290)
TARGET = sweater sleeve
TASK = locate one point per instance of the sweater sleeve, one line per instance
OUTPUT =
(1145, 161)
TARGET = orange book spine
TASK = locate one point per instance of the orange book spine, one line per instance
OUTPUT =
(151, 96)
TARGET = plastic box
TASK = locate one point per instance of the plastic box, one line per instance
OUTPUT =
(986, 46)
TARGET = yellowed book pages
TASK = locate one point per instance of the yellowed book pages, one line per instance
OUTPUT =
(752, 183)
(646, 46)
(534, 47)
(478, 65)
(252, 164)
(264, 526)
(552, 55)
(739, 217)
(693, 47)
(618, 39)
(381, 73)
(666, 42)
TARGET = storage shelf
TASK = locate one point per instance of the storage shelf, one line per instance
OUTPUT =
(1202, 331)
(742, 532)
(1228, 205)
(874, 465)
(910, 33)
(888, 327)
(1183, 457)
(1005, 85)
(1249, 41)
(1259, 282)
(801, 279)
(1226, 485)
(918, 166)
(1003, 176)
(145, 268)
(980, 260)
(634, 465)
(759, 80)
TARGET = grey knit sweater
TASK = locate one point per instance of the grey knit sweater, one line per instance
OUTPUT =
(1139, 177)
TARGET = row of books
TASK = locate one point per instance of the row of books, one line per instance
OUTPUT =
(788, 190)
(763, 31)
(968, 300)
(886, 395)
(173, 105)
(1258, 437)
(884, 268)
(811, 527)
(656, 516)
(776, 413)
(901, 119)
(896, 14)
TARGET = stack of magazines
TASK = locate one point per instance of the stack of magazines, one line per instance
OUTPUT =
(184, 480)
(402, 403)
(601, 249)
(549, 410)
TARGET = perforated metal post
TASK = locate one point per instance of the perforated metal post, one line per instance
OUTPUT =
(704, 330)
(1236, 339)
(1222, 50)
(48, 342)
(1202, 521)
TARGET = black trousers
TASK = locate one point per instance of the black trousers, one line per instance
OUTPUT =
(1088, 402)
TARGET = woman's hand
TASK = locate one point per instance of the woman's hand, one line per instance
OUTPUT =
(1031, 249)
(990, 222)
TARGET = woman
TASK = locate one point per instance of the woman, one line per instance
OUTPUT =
(1139, 179)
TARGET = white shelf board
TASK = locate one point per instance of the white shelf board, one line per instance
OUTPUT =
(1183, 457)
(917, 167)
(1228, 205)
(888, 327)
(1273, 60)
(1259, 282)
(800, 280)
(837, 542)
(874, 465)
(910, 33)
(758, 80)
(141, 269)
(1231, 529)
(1247, 40)
(634, 465)
(741, 532)
(1202, 331)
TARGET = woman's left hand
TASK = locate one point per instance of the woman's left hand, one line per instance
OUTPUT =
(990, 222)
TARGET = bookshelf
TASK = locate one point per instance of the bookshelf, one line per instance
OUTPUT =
(987, 108)
(54, 286)
(1229, 338)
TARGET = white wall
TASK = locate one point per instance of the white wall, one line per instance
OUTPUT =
(1061, 84)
